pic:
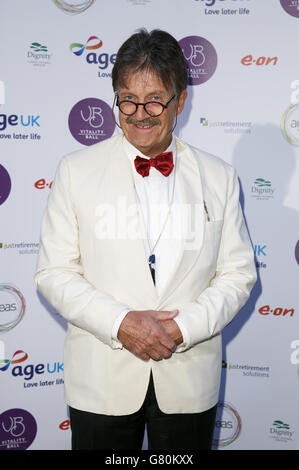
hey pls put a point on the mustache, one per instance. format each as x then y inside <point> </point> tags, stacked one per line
<point>147,121</point>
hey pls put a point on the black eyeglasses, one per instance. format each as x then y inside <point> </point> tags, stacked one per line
<point>152,108</point>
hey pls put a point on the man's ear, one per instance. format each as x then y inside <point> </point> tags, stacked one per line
<point>181,102</point>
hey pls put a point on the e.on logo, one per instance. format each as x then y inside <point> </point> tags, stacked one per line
<point>65,425</point>
<point>249,60</point>
<point>42,184</point>
<point>277,312</point>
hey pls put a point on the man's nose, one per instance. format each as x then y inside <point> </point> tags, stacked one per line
<point>141,113</point>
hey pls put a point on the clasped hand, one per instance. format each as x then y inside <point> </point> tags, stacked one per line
<point>150,334</point>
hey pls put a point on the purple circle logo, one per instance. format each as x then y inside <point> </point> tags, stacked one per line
<point>17,429</point>
<point>291,7</point>
<point>5,184</point>
<point>201,59</point>
<point>90,121</point>
<point>297,252</point>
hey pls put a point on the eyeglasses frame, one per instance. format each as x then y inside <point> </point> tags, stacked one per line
<point>164,106</point>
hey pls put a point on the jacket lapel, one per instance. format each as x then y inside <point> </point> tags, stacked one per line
<point>134,246</point>
<point>190,183</point>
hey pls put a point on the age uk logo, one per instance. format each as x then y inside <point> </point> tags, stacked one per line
<point>78,48</point>
<point>102,60</point>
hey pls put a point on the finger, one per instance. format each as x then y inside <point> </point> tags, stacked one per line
<point>155,355</point>
<point>159,353</point>
<point>165,340</point>
<point>165,314</point>
<point>165,352</point>
<point>139,352</point>
<point>144,356</point>
<point>160,340</point>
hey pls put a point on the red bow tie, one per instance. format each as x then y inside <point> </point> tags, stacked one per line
<point>163,163</point>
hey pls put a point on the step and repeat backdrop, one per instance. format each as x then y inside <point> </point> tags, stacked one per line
<point>243,105</point>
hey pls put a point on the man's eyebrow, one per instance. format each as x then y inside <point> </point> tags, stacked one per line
<point>127,91</point>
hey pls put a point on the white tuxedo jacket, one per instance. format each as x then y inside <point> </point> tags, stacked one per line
<point>90,278</point>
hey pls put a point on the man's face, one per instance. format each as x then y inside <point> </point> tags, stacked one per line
<point>150,135</point>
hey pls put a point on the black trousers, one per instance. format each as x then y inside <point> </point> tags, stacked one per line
<point>192,431</point>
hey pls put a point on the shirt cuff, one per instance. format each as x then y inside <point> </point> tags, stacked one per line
<point>116,344</point>
<point>181,347</point>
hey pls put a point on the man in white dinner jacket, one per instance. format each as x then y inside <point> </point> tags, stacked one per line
<point>145,252</point>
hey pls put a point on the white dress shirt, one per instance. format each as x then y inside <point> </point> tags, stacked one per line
<point>153,197</point>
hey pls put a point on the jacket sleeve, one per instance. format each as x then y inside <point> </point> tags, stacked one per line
<point>234,277</point>
<point>59,275</point>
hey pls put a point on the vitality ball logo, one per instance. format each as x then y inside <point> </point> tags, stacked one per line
<point>17,429</point>
<point>90,121</point>
<point>5,184</point>
<point>201,58</point>
<point>297,252</point>
<point>291,7</point>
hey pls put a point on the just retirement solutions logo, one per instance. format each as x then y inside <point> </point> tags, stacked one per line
<point>260,371</point>
<point>89,50</point>
<point>90,121</point>
<point>19,248</point>
<point>227,126</point>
